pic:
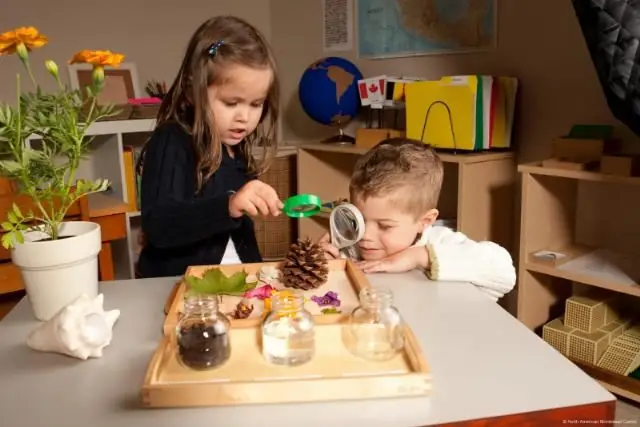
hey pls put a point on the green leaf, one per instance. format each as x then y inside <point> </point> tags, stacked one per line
<point>12,217</point>
<point>7,226</point>
<point>16,209</point>
<point>7,240</point>
<point>214,281</point>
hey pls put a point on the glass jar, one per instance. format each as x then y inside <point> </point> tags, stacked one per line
<point>288,330</point>
<point>202,333</point>
<point>374,330</point>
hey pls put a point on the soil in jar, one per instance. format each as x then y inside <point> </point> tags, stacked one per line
<point>200,347</point>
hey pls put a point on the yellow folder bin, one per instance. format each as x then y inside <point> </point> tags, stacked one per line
<point>468,113</point>
<point>441,114</point>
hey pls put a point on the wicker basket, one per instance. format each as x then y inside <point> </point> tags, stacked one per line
<point>275,235</point>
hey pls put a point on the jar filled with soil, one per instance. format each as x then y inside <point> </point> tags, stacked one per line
<point>202,333</point>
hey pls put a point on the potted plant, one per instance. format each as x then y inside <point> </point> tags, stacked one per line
<point>43,138</point>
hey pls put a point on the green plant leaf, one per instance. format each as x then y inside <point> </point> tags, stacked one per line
<point>215,282</point>
<point>16,209</point>
<point>7,240</point>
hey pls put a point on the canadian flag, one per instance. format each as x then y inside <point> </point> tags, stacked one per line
<point>372,90</point>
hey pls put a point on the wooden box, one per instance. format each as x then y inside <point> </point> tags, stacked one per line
<point>620,165</point>
<point>247,378</point>
<point>368,138</point>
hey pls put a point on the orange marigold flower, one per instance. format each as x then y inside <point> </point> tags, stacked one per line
<point>103,58</point>
<point>30,37</point>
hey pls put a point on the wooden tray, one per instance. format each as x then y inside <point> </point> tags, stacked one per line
<point>344,278</point>
<point>246,378</point>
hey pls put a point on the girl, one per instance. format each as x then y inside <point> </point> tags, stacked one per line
<point>199,176</point>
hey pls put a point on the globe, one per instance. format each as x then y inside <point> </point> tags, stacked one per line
<point>328,91</point>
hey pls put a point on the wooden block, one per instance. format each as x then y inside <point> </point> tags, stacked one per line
<point>576,149</point>
<point>556,334</point>
<point>588,347</point>
<point>620,165</point>
<point>584,313</point>
<point>570,164</point>
<point>368,138</point>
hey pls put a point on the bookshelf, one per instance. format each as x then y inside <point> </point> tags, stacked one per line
<point>579,237</point>
<point>478,189</point>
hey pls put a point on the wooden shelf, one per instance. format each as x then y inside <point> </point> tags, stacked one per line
<point>591,266</point>
<point>445,156</point>
<point>536,168</point>
<point>589,224</point>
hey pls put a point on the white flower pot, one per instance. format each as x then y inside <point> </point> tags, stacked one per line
<point>57,272</point>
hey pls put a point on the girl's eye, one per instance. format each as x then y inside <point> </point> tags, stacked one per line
<point>384,227</point>
<point>259,105</point>
<point>230,104</point>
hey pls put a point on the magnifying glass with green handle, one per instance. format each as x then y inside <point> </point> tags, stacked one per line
<point>346,222</point>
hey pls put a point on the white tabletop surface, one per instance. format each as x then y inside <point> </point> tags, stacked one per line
<point>484,362</point>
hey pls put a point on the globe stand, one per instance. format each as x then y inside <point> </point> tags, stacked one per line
<point>340,139</point>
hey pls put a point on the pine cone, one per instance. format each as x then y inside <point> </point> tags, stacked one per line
<point>305,267</point>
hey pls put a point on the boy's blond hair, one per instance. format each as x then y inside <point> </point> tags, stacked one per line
<point>408,170</point>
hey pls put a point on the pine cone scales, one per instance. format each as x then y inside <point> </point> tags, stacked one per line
<point>305,267</point>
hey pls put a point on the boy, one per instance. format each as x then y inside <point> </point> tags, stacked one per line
<point>396,186</point>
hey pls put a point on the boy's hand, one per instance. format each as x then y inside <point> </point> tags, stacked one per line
<point>406,260</point>
<point>254,198</point>
<point>330,251</point>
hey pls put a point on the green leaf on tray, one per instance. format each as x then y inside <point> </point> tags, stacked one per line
<point>215,282</point>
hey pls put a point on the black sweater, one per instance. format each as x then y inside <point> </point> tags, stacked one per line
<point>182,228</point>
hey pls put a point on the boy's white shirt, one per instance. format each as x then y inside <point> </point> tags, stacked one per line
<point>486,264</point>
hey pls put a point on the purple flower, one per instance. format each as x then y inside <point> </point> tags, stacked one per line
<point>329,299</point>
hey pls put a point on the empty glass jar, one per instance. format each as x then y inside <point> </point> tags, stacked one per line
<point>374,330</point>
<point>202,333</point>
<point>288,330</point>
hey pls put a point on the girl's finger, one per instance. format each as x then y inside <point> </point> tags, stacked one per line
<point>261,205</point>
<point>275,206</point>
<point>248,208</point>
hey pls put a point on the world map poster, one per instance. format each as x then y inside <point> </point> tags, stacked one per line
<point>393,28</point>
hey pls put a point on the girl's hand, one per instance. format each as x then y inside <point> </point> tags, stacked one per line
<point>254,198</point>
<point>406,260</point>
<point>330,251</point>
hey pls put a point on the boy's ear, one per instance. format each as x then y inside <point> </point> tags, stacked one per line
<point>430,217</point>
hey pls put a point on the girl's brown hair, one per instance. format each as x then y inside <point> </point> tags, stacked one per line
<point>236,42</point>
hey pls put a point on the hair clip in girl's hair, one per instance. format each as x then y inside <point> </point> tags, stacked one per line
<point>213,49</point>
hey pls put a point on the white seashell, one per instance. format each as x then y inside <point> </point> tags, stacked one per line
<point>81,329</point>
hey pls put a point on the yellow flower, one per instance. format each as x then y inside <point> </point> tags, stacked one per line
<point>23,37</point>
<point>97,58</point>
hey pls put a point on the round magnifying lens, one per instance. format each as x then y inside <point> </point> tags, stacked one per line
<point>302,205</point>
<point>346,224</point>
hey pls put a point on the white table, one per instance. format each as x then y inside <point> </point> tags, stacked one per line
<point>485,364</point>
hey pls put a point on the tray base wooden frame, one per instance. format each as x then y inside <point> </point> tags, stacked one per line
<point>247,378</point>
<point>334,373</point>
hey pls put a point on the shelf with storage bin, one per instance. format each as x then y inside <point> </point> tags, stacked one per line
<point>478,189</point>
<point>579,236</point>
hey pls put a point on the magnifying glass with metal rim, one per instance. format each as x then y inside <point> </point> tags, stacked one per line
<point>346,221</point>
